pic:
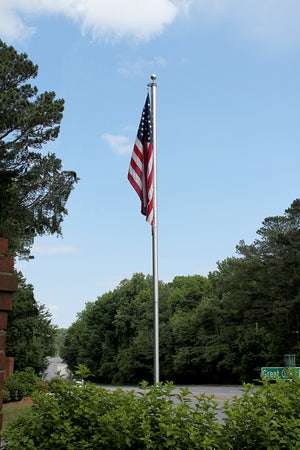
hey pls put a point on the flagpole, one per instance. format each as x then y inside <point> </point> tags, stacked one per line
<point>153,86</point>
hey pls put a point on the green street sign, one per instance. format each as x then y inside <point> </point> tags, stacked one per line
<point>271,373</point>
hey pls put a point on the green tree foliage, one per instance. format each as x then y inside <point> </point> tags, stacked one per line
<point>113,336</point>
<point>220,328</point>
<point>33,187</point>
<point>30,334</point>
<point>260,294</point>
<point>60,337</point>
<point>112,331</point>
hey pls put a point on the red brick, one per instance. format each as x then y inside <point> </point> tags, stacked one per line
<point>7,366</point>
<point>8,283</point>
<point>2,339</point>
<point>11,363</point>
<point>3,320</point>
<point>3,246</point>
<point>4,363</point>
<point>6,264</point>
<point>1,378</point>
<point>6,301</point>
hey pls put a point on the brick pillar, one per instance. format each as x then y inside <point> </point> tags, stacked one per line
<point>8,285</point>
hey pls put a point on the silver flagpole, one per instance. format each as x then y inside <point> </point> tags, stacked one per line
<point>154,238</point>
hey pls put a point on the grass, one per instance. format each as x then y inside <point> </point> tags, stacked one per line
<point>12,411</point>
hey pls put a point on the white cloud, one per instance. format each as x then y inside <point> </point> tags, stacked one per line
<point>111,19</point>
<point>46,250</point>
<point>52,309</point>
<point>119,144</point>
<point>11,25</point>
<point>275,21</point>
<point>141,65</point>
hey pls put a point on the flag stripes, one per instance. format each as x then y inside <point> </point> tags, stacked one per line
<point>140,174</point>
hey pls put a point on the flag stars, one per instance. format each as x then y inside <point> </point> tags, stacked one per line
<point>145,128</point>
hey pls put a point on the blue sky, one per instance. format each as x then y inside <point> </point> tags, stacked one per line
<point>228,131</point>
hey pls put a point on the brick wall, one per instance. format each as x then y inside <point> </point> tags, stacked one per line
<point>8,285</point>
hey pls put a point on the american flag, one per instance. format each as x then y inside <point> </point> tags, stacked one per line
<point>141,164</point>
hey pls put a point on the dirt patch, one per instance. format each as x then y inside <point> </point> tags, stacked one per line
<point>24,401</point>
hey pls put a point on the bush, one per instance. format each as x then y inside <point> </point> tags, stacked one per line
<point>266,417</point>
<point>76,417</point>
<point>87,417</point>
<point>19,384</point>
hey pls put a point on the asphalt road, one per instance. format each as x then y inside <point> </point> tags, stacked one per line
<point>221,393</point>
<point>55,365</point>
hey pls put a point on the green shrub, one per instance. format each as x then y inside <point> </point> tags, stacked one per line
<point>76,417</point>
<point>71,416</point>
<point>6,396</point>
<point>19,384</point>
<point>265,417</point>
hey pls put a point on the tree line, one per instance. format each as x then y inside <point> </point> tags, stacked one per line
<point>30,332</point>
<point>220,328</point>
<point>34,190</point>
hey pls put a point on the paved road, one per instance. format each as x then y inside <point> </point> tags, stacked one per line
<point>56,365</point>
<point>221,393</point>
